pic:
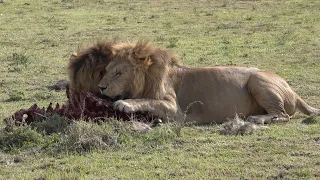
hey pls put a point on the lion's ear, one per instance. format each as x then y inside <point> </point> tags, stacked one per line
<point>141,54</point>
<point>101,70</point>
<point>113,52</point>
<point>100,67</point>
<point>144,62</point>
<point>73,55</point>
<point>147,62</point>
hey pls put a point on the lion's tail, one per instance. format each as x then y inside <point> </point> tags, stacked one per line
<point>305,108</point>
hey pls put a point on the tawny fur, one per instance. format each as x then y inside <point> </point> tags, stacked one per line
<point>151,80</point>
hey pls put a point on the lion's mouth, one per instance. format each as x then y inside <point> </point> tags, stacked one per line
<point>116,98</point>
<point>119,97</point>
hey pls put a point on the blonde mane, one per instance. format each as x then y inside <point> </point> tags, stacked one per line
<point>151,68</point>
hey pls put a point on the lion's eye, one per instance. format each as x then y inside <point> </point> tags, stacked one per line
<point>142,59</point>
<point>117,74</point>
<point>101,74</point>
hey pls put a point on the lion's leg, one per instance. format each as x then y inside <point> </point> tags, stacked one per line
<point>270,96</point>
<point>274,106</point>
<point>275,112</point>
<point>160,108</point>
<point>268,118</point>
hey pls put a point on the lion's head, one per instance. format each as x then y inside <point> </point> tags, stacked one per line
<point>86,67</point>
<point>136,72</point>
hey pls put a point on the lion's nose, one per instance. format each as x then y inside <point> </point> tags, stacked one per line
<point>102,89</point>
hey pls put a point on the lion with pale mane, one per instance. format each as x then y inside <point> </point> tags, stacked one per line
<point>149,79</point>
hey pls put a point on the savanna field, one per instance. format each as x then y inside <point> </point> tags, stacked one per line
<point>38,36</point>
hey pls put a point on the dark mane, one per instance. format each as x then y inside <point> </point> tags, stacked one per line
<point>86,60</point>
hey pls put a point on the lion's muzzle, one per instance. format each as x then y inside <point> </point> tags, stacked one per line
<point>102,89</point>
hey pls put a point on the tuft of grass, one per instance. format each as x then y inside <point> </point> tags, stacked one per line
<point>43,95</point>
<point>58,135</point>
<point>52,124</point>
<point>173,42</point>
<point>18,59</point>
<point>17,62</point>
<point>86,136</point>
<point>19,137</point>
<point>159,135</point>
<point>16,95</point>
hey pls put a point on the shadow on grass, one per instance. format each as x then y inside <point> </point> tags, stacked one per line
<point>313,119</point>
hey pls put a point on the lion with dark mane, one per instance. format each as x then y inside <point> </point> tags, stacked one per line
<point>149,79</point>
<point>86,67</point>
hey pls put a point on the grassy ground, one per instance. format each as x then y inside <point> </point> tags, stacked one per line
<point>37,37</point>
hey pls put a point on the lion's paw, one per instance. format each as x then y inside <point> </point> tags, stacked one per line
<point>124,106</point>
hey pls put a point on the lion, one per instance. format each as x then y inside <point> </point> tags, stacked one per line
<point>86,67</point>
<point>149,79</point>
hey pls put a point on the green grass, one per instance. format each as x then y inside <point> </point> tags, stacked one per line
<point>37,37</point>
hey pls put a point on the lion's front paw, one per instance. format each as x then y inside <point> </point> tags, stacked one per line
<point>124,106</point>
